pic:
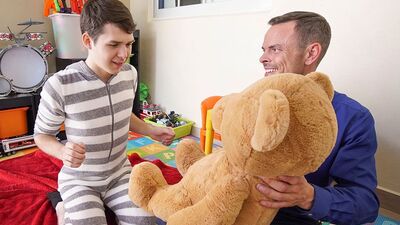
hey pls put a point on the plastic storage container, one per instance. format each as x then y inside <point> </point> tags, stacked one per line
<point>180,131</point>
<point>67,35</point>
<point>13,122</point>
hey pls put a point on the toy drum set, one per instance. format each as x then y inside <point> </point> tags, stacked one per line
<point>23,68</point>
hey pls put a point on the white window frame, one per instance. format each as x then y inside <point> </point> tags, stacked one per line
<point>212,8</point>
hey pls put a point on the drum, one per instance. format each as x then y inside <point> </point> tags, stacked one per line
<point>5,86</point>
<point>46,48</point>
<point>34,36</point>
<point>6,37</point>
<point>24,66</point>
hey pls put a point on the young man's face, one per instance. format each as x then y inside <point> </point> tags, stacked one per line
<point>281,50</point>
<point>112,48</point>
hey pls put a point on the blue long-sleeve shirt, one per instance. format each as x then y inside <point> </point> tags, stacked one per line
<point>345,183</point>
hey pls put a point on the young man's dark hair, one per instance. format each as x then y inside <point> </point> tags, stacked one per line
<point>97,13</point>
<point>310,26</point>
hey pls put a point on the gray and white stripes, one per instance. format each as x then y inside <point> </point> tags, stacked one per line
<point>96,114</point>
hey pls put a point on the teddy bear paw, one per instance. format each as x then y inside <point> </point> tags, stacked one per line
<point>146,178</point>
<point>187,153</point>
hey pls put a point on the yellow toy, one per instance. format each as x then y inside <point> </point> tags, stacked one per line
<point>280,125</point>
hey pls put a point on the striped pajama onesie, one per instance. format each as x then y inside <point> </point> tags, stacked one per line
<point>96,114</point>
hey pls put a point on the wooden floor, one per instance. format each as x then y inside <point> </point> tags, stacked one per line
<point>390,204</point>
<point>389,213</point>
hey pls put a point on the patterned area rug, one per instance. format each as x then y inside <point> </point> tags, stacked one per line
<point>149,149</point>
<point>383,220</point>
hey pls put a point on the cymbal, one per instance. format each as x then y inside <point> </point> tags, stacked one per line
<point>39,32</point>
<point>30,22</point>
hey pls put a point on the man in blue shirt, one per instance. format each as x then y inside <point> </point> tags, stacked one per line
<point>342,190</point>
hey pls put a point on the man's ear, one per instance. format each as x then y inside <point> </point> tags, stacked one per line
<point>313,51</point>
<point>87,40</point>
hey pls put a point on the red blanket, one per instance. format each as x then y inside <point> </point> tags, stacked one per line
<point>25,182</point>
<point>171,174</point>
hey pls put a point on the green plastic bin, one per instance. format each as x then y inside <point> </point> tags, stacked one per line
<point>180,131</point>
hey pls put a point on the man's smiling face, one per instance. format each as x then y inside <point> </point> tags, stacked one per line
<point>282,53</point>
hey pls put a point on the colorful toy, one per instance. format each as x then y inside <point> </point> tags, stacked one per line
<point>49,8</point>
<point>143,92</point>
<point>13,130</point>
<point>77,6</point>
<point>9,146</point>
<point>46,48</point>
<point>63,6</point>
<point>57,5</point>
<point>281,125</point>
<point>149,110</point>
<point>6,37</point>
<point>207,134</point>
<point>33,59</point>
<point>169,120</point>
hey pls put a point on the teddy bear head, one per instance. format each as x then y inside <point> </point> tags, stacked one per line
<point>283,124</point>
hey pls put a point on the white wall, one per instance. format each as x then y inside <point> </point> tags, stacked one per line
<point>186,60</point>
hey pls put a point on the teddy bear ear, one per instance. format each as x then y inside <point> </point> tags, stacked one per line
<point>272,121</point>
<point>323,81</point>
<point>218,111</point>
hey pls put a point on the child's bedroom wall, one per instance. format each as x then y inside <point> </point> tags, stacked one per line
<point>185,60</point>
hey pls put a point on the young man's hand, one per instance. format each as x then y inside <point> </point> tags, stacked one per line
<point>286,191</point>
<point>73,154</point>
<point>165,135</point>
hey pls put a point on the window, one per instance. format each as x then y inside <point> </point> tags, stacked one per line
<point>176,3</point>
<point>162,4</point>
<point>192,8</point>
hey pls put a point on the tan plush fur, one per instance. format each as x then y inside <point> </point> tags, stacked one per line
<point>281,125</point>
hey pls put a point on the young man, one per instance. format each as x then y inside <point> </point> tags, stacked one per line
<point>94,100</point>
<point>342,190</point>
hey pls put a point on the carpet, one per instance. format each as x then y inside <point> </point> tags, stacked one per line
<point>150,150</point>
<point>383,220</point>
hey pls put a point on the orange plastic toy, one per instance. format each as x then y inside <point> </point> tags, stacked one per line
<point>49,7</point>
<point>207,134</point>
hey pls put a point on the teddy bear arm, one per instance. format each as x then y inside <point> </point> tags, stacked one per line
<point>145,180</point>
<point>187,153</point>
<point>220,206</point>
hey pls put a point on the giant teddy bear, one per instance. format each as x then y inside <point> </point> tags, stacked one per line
<point>281,125</point>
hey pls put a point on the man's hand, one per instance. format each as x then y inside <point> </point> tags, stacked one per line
<point>286,191</point>
<point>165,135</point>
<point>73,154</point>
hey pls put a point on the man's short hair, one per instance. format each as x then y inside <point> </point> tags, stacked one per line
<point>310,27</point>
<point>97,13</point>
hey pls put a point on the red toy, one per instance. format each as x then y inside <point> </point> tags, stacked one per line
<point>149,110</point>
<point>77,6</point>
